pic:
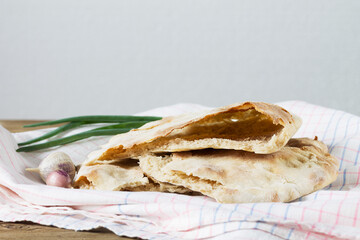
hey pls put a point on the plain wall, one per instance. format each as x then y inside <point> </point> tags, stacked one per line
<point>69,57</point>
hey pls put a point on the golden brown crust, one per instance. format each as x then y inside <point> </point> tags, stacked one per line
<point>123,176</point>
<point>250,126</point>
<point>301,167</point>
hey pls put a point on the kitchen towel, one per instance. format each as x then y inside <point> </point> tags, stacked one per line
<point>332,212</point>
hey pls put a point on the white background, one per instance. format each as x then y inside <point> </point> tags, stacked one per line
<point>66,58</point>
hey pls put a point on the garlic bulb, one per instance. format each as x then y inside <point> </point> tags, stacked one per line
<point>53,162</point>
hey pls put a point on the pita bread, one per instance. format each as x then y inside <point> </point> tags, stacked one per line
<point>301,167</point>
<point>250,126</point>
<point>124,176</point>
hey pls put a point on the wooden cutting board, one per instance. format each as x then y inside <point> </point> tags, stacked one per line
<point>33,231</point>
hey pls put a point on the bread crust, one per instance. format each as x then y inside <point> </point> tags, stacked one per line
<point>301,167</point>
<point>121,177</point>
<point>251,126</point>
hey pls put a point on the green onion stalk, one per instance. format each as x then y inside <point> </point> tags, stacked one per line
<point>123,124</point>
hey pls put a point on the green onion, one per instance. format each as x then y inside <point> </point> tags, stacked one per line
<point>73,138</point>
<point>97,119</point>
<point>101,131</point>
<point>58,130</point>
<point>124,124</point>
<point>72,125</point>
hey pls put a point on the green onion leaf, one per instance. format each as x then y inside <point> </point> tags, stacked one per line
<point>98,119</point>
<point>53,132</point>
<point>73,138</point>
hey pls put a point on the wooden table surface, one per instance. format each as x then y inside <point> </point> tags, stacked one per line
<point>32,231</point>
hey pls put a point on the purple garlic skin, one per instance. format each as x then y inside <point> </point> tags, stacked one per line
<point>58,178</point>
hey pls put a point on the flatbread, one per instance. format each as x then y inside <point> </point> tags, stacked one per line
<point>124,176</point>
<point>250,126</point>
<point>301,167</point>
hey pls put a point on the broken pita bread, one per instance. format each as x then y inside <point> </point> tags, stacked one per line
<point>301,167</point>
<point>251,126</point>
<point>124,176</point>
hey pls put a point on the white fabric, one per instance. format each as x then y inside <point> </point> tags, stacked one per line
<point>331,212</point>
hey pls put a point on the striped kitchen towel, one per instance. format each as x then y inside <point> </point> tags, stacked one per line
<point>332,212</point>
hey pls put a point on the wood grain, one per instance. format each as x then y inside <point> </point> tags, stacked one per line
<point>17,125</point>
<point>33,231</point>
